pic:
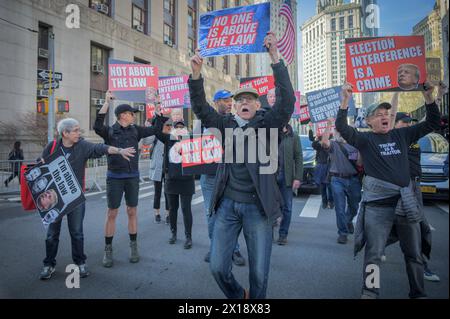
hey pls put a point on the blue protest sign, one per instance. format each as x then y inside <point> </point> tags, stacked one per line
<point>324,104</point>
<point>234,31</point>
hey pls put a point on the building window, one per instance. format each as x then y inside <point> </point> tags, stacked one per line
<point>138,22</point>
<point>43,53</point>
<point>224,4</point>
<point>350,22</point>
<point>341,23</point>
<point>99,79</point>
<point>210,5</point>
<point>226,66</point>
<point>192,25</point>
<point>333,24</point>
<point>169,22</point>
<point>238,65</point>
<point>102,6</point>
<point>237,3</point>
<point>211,62</point>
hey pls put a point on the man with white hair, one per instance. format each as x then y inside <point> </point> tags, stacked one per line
<point>77,151</point>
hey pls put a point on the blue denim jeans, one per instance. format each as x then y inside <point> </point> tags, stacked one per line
<point>75,222</point>
<point>286,210</point>
<point>207,183</point>
<point>231,217</point>
<point>327,193</point>
<point>345,190</point>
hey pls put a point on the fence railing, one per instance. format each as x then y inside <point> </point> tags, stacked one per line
<point>95,174</point>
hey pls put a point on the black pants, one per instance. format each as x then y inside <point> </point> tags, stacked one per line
<point>185,208</point>
<point>12,176</point>
<point>157,198</point>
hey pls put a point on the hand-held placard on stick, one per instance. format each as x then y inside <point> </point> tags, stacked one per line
<point>234,31</point>
<point>386,63</point>
<point>324,104</point>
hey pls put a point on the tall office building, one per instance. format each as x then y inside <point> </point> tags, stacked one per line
<point>323,38</point>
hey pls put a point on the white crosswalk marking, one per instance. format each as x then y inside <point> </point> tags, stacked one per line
<point>443,207</point>
<point>312,207</point>
<point>198,200</point>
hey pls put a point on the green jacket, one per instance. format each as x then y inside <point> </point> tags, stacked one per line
<point>293,157</point>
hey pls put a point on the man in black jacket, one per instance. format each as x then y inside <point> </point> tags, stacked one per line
<point>246,195</point>
<point>122,175</point>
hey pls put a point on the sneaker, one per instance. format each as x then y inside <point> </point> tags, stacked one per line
<point>167,220</point>
<point>330,205</point>
<point>383,258</point>
<point>430,276</point>
<point>342,239</point>
<point>207,257</point>
<point>134,255</point>
<point>108,257</point>
<point>46,272</point>
<point>282,241</point>
<point>157,219</point>
<point>173,239</point>
<point>84,272</point>
<point>238,259</point>
<point>351,228</point>
<point>188,243</point>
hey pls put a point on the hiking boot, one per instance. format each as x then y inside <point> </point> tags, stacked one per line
<point>351,228</point>
<point>430,276</point>
<point>282,241</point>
<point>207,257</point>
<point>188,243</point>
<point>238,259</point>
<point>134,255</point>
<point>84,272</point>
<point>342,239</point>
<point>157,219</point>
<point>108,257</point>
<point>173,239</point>
<point>46,272</point>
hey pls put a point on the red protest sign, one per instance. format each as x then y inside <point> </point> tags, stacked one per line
<point>200,151</point>
<point>132,77</point>
<point>386,63</point>
<point>304,114</point>
<point>322,126</point>
<point>262,84</point>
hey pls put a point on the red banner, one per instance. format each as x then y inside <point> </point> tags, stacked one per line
<point>200,151</point>
<point>304,114</point>
<point>386,63</point>
<point>321,127</point>
<point>261,84</point>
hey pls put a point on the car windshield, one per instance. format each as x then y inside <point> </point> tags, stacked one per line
<point>306,143</point>
<point>433,143</point>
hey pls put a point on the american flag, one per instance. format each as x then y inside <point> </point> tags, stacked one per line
<point>286,45</point>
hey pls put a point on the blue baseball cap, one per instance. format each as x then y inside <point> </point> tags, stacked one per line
<point>222,94</point>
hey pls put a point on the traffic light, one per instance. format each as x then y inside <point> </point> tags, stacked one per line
<point>42,106</point>
<point>62,106</point>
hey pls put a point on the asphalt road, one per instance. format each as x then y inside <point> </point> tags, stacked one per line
<point>312,265</point>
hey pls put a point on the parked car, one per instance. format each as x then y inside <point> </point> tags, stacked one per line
<point>309,165</point>
<point>434,150</point>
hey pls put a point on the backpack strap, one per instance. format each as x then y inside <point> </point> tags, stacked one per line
<point>53,146</point>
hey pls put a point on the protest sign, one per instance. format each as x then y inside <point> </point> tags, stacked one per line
<point>386,63</point>
<point>54,187</point>
<point>304,114</point>
<point>133,82</point>
<point>265,85</point>
<point>321,127</point>
<point>324,104</point>
<point>200,155</point>
<point>174,91</point>
<point>234,31</point>
<point>360,119</point>
<point>297,110</point>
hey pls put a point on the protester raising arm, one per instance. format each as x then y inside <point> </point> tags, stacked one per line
<point>99,126</point>
<point>350,134</point>
<point>325,142</point>
<point>394,109</point>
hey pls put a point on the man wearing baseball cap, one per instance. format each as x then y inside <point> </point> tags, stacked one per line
<point>122,175</point>
<point>223,103</point>
<point>389,196</point>
<point>246,196</point>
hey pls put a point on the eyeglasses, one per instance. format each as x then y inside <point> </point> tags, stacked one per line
<point>247,97</point>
